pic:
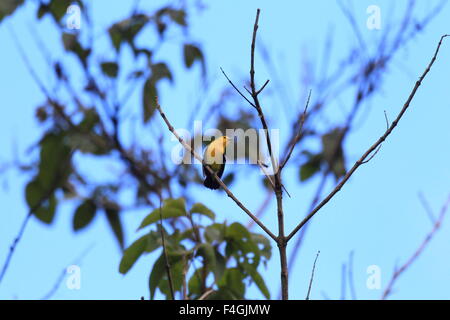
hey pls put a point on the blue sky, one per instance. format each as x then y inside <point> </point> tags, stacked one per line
<point>377,215</point>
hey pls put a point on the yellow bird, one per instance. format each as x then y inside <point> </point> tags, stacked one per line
<point>214,156</point>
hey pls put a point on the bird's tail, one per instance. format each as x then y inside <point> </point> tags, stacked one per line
<point>211,183</point>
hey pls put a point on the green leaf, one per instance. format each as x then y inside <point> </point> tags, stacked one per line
<point>215,232</point>
<point>115,36</point>
<point>195,283</point>
<point>191,54</point>
<point>111,69</point>
<point>256,277</point>
<point>40,201</point>
<point>43,9</point>
<point>171,208</point>
<point>149,95</point>
<point>188,234</point>
<point>58,8</point>
<point>206,250</point>
<point>7,7</point>
<point>112,214</point>
<point>333,152</point>
<point>90,119</point>
<point>132,253</point>
<point>264,245</point>
<point>54,165</point>
<point>161,71</point>
<point>202,209</point>
<point>155,216</point>
<point>338,167</point>
<point>71,44</point>
<point>84,214</point>
<point>221,264</point>
<point>158,270</point>
<point>311,167</point>
<point>34,193</point>
<point>233,281</point>
<point>126,30</point>
<point>237,231</point>
<point>46,211</point>
<point>228,179</point>
<point>240,243</point>
<point>154,241</point>
<point>178,16</point>
<point>158,275</point>
<point>176,272</point>
<point>69,41</point>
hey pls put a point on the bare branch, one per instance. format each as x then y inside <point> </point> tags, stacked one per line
<point>281,239</point>
<point>373,147</point>
<point>301,236</point>
<point>262,207</point>
<point>13,246</point>
<point>418,252</point>
<point>262,88</point>
<point>45,197</point>
<point>299,133</point>
<point>60,279</point>
<point>350,276</point>
<point>266,174</point>
<point>373,155</point>
<point>343,281</point>
<point>312,276</point>
<point>427,207</point>
<point>206,294</point>
<point>238,91</point>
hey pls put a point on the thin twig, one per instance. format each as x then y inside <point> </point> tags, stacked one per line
<point>299,132</point>
<point>262,88</point>
<point>343,281</point>
<point>19,236</point>
<point>372,148</point>
<point>350,276</point>
<point>60,279</point>
<point>206,294</point>
<point>266,174</point>
<point>262,208</point>
<point>312,276</point>
<point>398,272</point>
<point>301,236</point>
<point>387,120</point>
<point>238,91</point>
<point>13,246</point>
<point>427,207</point>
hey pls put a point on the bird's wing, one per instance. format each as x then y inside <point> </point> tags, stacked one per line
<point>222,167</point>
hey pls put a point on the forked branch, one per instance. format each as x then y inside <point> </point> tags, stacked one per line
<point>213,174</point>
<point>372,148</point>
<point>398,272</point>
